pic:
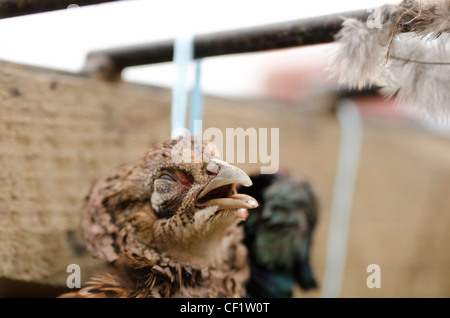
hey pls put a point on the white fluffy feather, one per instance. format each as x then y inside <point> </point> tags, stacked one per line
<point>418,73</point>
<point>414,66</point>
<point>360,53</point>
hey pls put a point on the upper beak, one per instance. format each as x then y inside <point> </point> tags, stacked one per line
<point>222,189</point>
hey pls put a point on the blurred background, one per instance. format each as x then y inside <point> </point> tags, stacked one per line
<point>399,204</point>
<point>61,39</point>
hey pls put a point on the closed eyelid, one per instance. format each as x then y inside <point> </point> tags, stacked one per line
<point>180,176</point>
<point>166,176</point>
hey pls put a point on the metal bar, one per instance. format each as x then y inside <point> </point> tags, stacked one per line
<point>109,63</point>
<point>14,8</point>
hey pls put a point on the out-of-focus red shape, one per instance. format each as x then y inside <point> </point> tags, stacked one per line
<point>295,73</point>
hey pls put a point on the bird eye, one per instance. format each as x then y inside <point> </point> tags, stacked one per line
<point>166,177</point>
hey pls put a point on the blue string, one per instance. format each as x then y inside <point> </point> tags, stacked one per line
<point>182,57</point>
<point>196,110</point>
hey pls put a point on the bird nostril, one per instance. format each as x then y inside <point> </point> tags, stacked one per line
<point>212,168</point>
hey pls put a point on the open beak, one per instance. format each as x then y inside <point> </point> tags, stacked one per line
<point>221,190</point>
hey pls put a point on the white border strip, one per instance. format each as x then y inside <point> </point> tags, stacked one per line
<point>348,161</point>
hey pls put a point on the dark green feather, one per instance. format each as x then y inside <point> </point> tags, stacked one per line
<point>278,235</point>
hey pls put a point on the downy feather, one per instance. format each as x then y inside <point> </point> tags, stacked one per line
<point>407,53</point>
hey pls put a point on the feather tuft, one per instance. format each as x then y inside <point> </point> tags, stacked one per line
<point>423,17</point>
<point>360,53</point>
<point>419,75</point>
<point>407,53</point>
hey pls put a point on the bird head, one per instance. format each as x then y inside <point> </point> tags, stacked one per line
<point>160,205</point>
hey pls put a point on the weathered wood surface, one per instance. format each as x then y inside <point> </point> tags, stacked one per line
<point>59,133</point>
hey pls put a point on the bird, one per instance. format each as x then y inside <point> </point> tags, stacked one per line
<point>278,234</point>
<point>168,225</point>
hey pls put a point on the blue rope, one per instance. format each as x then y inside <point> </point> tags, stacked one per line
<point>196,110</point>
<point>182,57</point>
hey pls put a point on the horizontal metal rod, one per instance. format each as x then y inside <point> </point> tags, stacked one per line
<point>15,8</point>
<point>110,62</point>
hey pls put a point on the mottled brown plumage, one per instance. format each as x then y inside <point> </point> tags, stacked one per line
<point>169,228</point>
